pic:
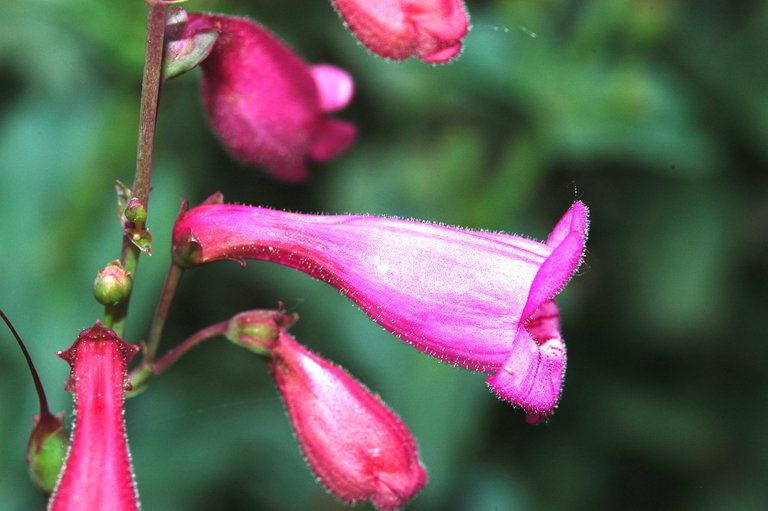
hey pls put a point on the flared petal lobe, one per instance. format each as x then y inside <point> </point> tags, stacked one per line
<point>356,446</point>
<point>265,104</point>
<point>532,375</point>
<point>97,474</point>
<point>397,29</point>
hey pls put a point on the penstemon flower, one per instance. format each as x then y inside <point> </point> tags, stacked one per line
<point>397,29</point>
<point>97,474</point>
<point>479,300</point>
<point>358,448</point>
<point>264,103</point>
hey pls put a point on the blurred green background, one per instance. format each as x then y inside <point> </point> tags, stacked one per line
<point>653,112</point>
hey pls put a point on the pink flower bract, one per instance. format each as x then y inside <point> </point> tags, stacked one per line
<point>397,29</point>
<point>479,300</point>
<point>265,104</point>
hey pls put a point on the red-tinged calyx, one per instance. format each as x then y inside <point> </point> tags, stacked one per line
<point>97,474</point>
<point>258,330</point>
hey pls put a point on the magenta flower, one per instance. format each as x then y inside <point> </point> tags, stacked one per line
<point>265,104</point>
<point>479,300</point>
<point>356,446</point>
<point>397,29</point>
<point>97,474</point>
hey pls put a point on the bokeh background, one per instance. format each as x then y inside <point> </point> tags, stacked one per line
<point>653,112</point>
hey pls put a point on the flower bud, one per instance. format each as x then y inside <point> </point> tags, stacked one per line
<point>136,211</point>
<point>358,448</point>
<point>46,450</point>
<point>113,284</point>
<point>397,29</point>
<point>258,330</point>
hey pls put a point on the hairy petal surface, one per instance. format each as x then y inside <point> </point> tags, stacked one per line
<point>265,104</point>
<point>356,446</point>
<point>467,297</point>
<point>397,29</point>
<point>97,474</point>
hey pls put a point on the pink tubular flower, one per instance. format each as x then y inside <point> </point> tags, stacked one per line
<point>265,104</point>
<point>356,446</point>
<point>479,300</point>
<point>397,29</point>
<point>97,474</point>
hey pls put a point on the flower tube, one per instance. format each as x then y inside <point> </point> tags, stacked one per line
<point>397,29</point>
<point>479,300</point>
<point>265,104</point>
<point>97,474</point>
<point>358,448</point>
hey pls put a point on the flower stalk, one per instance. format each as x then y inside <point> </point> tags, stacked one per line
<point>150,96</point>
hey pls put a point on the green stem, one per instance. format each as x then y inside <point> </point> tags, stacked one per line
<point>150,95</point>
<point>145,371</point>
<point>161,313</point>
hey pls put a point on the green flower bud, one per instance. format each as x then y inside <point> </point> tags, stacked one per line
<point>113,284</point>
<point>46,450</point>
<point>258,330</point>
<point>136,211</point>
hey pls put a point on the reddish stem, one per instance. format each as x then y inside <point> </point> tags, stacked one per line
<point>44,411</point>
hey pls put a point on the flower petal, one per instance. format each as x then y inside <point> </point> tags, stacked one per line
<point>265,104</point>
<point>532,375</point>
<point>358,447</point>
<point>568,240</point>
<point>455,294</point>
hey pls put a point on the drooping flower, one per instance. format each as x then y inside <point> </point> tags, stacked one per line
<point>358,448</point>
<point>397,29</point>
<point>97,474</point>
<point>479,300</point>
<point>265,104</point>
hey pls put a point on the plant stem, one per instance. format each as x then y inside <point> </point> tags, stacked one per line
<point>161,313</point>
<point>150,95</point>
<point>189,343</point>
<point>145,371</point>
<point>140,376</point>
<point>44,411</point>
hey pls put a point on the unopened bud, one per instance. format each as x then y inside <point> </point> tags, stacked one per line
<point>136,211</point>
<point>358,448</point>
<point>258,330</point>
<point>46,450</point>
<point>113,284</point>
